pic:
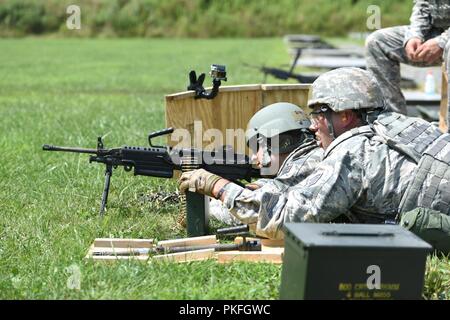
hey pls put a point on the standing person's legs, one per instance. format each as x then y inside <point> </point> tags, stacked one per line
<point>384,52</point>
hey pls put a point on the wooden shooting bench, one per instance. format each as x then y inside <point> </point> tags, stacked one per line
<point>232,108</point>
<point>113,249</point>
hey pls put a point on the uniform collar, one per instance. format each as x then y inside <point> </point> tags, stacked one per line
<point>363,130</point>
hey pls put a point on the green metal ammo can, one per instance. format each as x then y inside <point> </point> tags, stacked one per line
<point>352,261</point>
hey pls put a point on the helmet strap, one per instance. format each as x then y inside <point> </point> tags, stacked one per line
<point>328,116</point>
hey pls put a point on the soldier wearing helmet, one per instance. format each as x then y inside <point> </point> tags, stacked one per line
<point>377,166</point>
<point>283,149</point>
<point>343,104</point>
<point>274,132</point>
<point>360,176</point>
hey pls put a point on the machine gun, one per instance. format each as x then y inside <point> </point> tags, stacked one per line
<point>283,74</point>
<point>159,161</point>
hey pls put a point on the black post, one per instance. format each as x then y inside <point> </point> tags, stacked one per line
<point>196,214</point>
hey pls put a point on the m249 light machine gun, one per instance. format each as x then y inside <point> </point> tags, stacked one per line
<point>160,161</point>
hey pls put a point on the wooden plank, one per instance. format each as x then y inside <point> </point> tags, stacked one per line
<point>229,110</point>
<point>116,258</point>
<point>194,241</point>
<point>187,256</point>
<point>123,243</point>
<point>443,111</point>
<point>250,256</point>
<point>293,86</point>
<point>272,243</point>
<point>238,240</point>
<point>222,89</point>
<point>119,251</point>
<point>298,97</point>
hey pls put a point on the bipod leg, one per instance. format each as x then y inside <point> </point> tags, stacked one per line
<point>108,174</point>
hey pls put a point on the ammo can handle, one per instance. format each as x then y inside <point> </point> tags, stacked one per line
<point>357,234</point>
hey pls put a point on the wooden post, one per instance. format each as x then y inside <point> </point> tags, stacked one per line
<point>443,112</point>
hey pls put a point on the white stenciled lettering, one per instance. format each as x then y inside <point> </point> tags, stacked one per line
<point>374,20</point>
<point>374,280</point>
<point>73,22</point>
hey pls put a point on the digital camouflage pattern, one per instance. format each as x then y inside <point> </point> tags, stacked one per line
<point>345,89</point>
<point>290,124</point>
<point>385,48</point>
<point>429,149</point>
<point>274,122</point>
<point>360,177</point>
<point>368,174</point>
<point>428,16</point>
<point>275,119</point>
<point>296,167</point>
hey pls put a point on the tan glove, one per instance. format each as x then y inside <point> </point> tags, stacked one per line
<point>200,181</point>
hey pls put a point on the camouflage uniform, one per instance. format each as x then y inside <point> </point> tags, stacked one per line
<point>429,149</point>
<point>297,166</point>
<point>369,174</point>
<point>385,48</point>
<point>279,128</point>
<point>360,177</point>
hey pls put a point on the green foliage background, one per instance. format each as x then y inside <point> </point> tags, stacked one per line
<point>197,18</point>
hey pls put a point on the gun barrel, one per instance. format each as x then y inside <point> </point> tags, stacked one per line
<point>47,147</point>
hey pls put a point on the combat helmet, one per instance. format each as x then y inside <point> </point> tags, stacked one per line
<point>285,121</point>
<point>347,89</point>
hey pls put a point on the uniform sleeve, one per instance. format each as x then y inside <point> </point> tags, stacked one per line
<point>245,204</point>
<point>442,39</point>
<point>420,21</point>
<point>323,196</point>
<point>261,182</point>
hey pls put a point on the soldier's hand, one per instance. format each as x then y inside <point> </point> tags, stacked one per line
<point>429,52</point>
<point>411,47</point>
<point>252,186</point>
<point>200,181</point>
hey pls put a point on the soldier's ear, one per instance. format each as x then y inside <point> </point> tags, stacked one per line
<point>347,117</point>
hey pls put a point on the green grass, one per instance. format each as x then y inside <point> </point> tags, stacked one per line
<point>68,92</point>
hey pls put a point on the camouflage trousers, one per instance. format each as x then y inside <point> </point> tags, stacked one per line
<point>384,53</point>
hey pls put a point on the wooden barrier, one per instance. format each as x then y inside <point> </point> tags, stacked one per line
<point>231,109</point>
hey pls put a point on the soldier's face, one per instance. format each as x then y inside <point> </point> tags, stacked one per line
<point>275,162</point>
<point>319,125</point>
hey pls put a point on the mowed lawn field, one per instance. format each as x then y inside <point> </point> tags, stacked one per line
<point>68,92</point>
